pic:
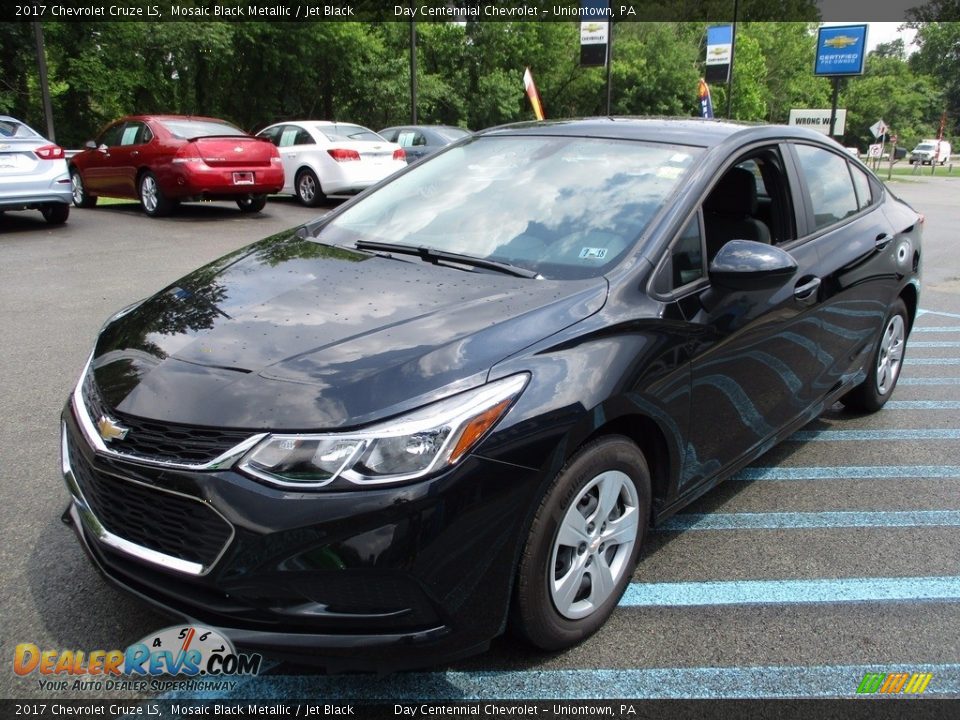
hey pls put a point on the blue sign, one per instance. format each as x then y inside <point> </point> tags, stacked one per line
<point>841,50</point>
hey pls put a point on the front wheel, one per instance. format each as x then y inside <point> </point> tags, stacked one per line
<point>252,204</point>
<point>885,364</point>
<point>583,544</point>
<point>154,202</point>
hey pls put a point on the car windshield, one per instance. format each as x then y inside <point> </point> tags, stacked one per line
<point>190,129</point>
<point>923,147</point>
<point>15,128</point>
<point>342,133</point>
<point>564,207</point>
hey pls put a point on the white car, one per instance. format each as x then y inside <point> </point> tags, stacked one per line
<point>323,158</point>
<point>33,173</point>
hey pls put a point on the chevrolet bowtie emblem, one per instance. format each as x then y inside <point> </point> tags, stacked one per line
<point>110,429</point>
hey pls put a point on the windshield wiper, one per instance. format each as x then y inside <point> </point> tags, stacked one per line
<point>434,256</point>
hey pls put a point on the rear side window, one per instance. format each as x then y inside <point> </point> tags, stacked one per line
<point>830,185</point>
<point>862,184</point>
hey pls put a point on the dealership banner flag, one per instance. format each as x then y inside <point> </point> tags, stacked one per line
<point>532,93</point>
<point>706,104</point>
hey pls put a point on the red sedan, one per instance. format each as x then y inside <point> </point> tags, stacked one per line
<point>162,160</point>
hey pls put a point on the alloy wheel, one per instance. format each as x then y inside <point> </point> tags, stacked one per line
<point>593,545</point>
<point>890,357</point>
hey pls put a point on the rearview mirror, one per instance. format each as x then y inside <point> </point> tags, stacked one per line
<point>90,144</point>
<point>749,265</point>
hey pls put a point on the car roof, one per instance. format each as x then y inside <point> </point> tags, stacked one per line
<point>681,131</point>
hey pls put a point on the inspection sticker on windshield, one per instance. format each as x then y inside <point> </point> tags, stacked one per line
<point>597,253</point>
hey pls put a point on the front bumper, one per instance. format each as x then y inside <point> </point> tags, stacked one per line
<point>377,579</point>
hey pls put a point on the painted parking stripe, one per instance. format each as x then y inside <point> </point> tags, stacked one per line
<point>922,405</point>
<point>934,343</point>
<point>848,472</point>
<point>923,311</point>
<point>928,381</point>
<point>767,681</point>
<point>859,435</point>
<point>810,520</point>
<point>752,592</point>
<point>931,361</point>
<point>936,329</point>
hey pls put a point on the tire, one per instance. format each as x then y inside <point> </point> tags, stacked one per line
<point>252,204</point>
<point>80,197</point>
<point>571,574</point>
<point>56,214</point>
<point>307,188</point>
<point>886,361</point>
<point>152,199</point>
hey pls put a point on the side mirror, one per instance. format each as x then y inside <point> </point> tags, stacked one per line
<point>749,265</point>
<point>90,145</point>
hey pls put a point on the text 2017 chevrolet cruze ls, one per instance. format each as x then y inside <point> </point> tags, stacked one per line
<point>460,400</point>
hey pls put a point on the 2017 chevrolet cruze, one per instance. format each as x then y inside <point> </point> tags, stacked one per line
<point>460,400</point>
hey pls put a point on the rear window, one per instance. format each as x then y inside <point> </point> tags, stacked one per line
<point>345,133</point>
<point>14,128</point>
<point>189,129</point>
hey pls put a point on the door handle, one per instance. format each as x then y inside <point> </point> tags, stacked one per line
<point>807,293</point>
<point>883,239</point>
<point>135,153</point>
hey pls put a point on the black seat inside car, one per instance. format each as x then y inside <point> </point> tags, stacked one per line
<point>729,212</point>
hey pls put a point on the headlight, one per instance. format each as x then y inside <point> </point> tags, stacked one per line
<point>408,447</point>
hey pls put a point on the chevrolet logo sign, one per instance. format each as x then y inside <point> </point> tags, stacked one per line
<point>840,41</point>
<point>110,429</point>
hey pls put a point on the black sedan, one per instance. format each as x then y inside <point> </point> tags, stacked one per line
<point>459,401</point>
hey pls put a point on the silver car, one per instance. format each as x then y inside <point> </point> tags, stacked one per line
<point>33,172</point>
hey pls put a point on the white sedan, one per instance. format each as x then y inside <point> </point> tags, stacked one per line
<point>323,158</point>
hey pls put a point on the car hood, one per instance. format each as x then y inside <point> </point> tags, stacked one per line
<point>291,334</point>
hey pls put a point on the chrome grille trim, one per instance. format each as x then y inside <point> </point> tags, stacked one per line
<point>95,527</point>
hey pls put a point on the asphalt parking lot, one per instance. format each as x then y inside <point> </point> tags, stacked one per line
<point>834,555</point>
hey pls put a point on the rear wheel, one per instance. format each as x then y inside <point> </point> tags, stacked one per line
<point>308,188</point>
<point>583,544</point>
<point>154,202</point>
<point>56,214</point>
<point>886,361</point>
<point>252,204</point>
<point>80,197</point>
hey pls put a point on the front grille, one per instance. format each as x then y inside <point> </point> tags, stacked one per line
<point>161,441</point>
<point>171,524</point>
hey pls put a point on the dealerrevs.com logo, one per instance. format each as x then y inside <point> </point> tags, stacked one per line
<point>185,651</point>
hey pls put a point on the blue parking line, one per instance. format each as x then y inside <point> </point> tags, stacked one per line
<point>751,592</point>
<point>931,361</point>
<point>922,405</point>
<point>928,381</point>
<point>934,343</point>
<point>923,311</point>
<point>810,520</point>
<point>936,329</point>
<point>848,472</point>
<point>765,681</point>
<point>860,435</point>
